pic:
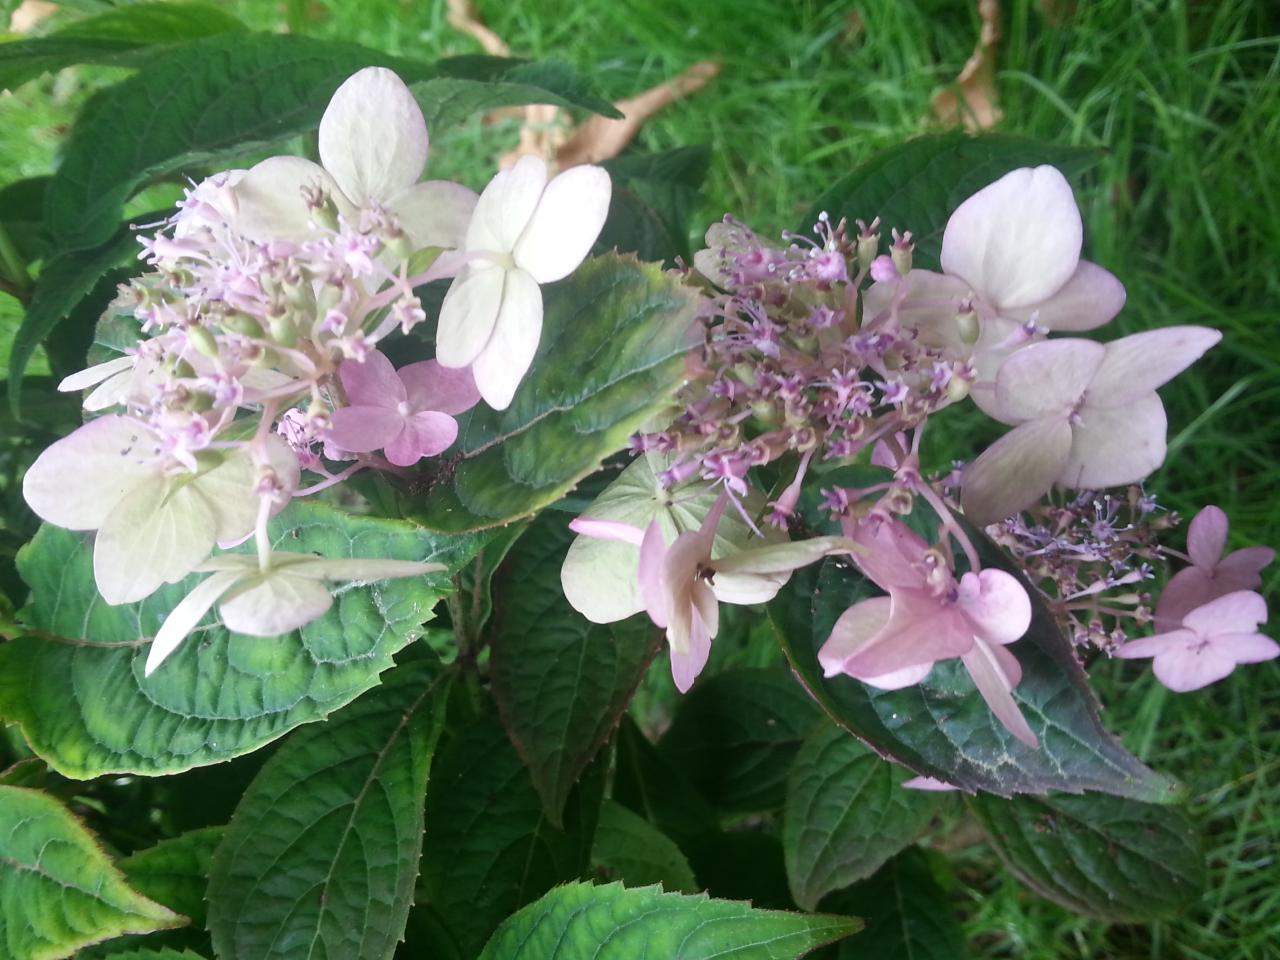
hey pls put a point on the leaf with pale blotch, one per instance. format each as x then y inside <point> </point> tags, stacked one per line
<point>636,852</point>
<point>942,727</point>
<point>76,686</point>
<point>614,338</point>
<point>917,185</point>
<point>320,858</point>
<point>561,682</point>
<point>847,813</point>
<point>734,737</point>
<point>1104,857</point>
<point>490,848</point>
<point>907,915</point>
<point>58,889</point>
<point>613,923</point>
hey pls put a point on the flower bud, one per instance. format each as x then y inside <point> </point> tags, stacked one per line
<point>968,326</point>
<point>284,331</point>
<point>901,250</point>
<point>201,339</point>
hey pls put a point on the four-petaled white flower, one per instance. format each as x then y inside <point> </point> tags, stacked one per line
<point>525,232</point>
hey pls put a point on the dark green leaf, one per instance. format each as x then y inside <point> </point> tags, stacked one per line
<point>916,185</point>
<point>614,338</point>
<point>489,846</point>
<point>906,913</point>
<point>321,856</point>
<point>114,37</point>
<point>58,890</point>
<point>560,681</point>
<point>735,735</point>
<point>847,813</point>
<point>85,706</point>
<point>22,214</point>
<point>175,872</point>
<point>942,728</point>
<point>474,85</point>
<point>743,864</point>
<point>146,954</point>
<point>63,283</point>
<point>1104,857</point>
<point>647,784</point>
<point>636,852</point>
<point>654,197</point>
<point>611,923</point>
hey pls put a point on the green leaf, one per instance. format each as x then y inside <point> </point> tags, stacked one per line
<point>489,846</point>
<point>63,283</point>
<point>58,890</point>
<point>85,706</point>
<point>614,337</point>
<point>22,214</point>
<point>1104,857</point>
<point>638,853</point>
<point>144,954</point>
<point>115,37</point>
<point>917,184</point>
<point>612,923</point>
<point>474,85</point>
<point>175,872</point>
<point>196,104</point>
<point>649,785</point>
<point>735,735</point>
<point>906,913</point>
<point>847,813</point>
<point>942,727</point>
<point>654,197</point>
<point>560,681</point>
<point>321,855</point>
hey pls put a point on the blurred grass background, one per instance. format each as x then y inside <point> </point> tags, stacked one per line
<point>1183,98</point>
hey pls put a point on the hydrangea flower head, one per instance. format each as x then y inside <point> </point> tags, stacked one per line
<point>1210,574</point>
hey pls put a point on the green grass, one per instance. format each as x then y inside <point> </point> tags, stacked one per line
<point>1184,98</point>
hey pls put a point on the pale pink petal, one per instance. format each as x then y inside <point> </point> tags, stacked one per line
<point>274,604</point>
<point>229,487</point>
<point>1016,241</point>
<point>653,553</point>
<point>890,553</point>
<point>90,376</point>
<point>364,429</point>
<point>856,628</point>
<point>78,480</point>
<point>469,314</point>
<point>1242,568</point>
<point>921,629</point>
<point>999,340</point>
<point>1016,470</point>
<point>1238,612</point>
<point>373,138</point>
<point>1136,365</point>
<point>607,530</point>
<point>930,305</point>
<point>1184,668</point>
<point>1247,647</point>
<point>1154,645</point>
<point>430,386</point>
<point>435,213</point>
<point>928,783</point>
<point>995,672</point>
<point>506,206</point>
<point>897,679</point>
<point>1207,537</point>
<point>997,605</point>
<point>1046,379</point>
<point>1187,589</point>
<point>687,664</point>
<point>507,356</point>
<point>372,382</point>
<point>783,557</point>
<point>747,588</point>
<point>565,223</point>
<point>1112,446</point>
<point>1090,299</point>
<point>270,203</point>
<point>183,618</point>
<point>425,434</point>
<point>155,535</point>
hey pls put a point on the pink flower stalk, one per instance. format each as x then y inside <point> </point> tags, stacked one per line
<point>407,413</point>
<point>1087,416</point>
<point>893,642</point>
<point>1210,575</point>
<point>1212,641</point>
<point>681,585</point>
<point>1010,259</point>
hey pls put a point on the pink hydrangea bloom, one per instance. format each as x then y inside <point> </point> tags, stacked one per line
<point>1087,416</point>
<point>893,642</point>
<point>407,413</point>
<point>1210,575</point>
<point>1212,641</point>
